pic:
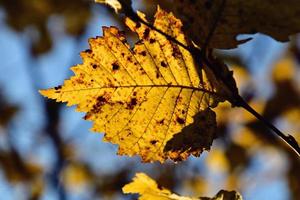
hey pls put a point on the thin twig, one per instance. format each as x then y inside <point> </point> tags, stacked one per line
<point>288,139</point>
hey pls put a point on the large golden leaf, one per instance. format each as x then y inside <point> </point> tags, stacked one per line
<point>148,189</point>
<point>151,100</point>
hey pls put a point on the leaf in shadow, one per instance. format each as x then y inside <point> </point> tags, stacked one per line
<point>194,138</point>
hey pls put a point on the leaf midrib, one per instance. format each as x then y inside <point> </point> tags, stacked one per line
<point>146,86</point>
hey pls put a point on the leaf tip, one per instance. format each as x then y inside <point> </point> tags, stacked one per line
<point>51,93</point>
<point>44,92</point>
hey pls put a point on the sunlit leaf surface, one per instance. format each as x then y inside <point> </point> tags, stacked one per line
<point>151,100</point>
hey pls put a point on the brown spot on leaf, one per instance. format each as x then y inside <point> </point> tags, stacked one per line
<point>152,41</point>
<point>58,87</point>
<point>115,66</point>
<point>143,53</point>
<point>161,121</point>
<point>146,33</point>
<point>138,25</point>
<point>153,142</point>
<point>79,81</point>
<point>163,64</point>
<point>132,103</point>
<point>100,101</point>
<point>180,120</point>
<point>176,52</point>
<point>94,66</point>
<point>129,59</point>
<point>157,74</point>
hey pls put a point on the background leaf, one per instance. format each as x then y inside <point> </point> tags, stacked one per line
<point>278,20</point>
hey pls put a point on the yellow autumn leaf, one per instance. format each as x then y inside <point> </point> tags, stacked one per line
<point>151,100</point>
<point>148,189</point>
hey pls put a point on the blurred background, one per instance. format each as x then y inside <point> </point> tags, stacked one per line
<point>47,151</point>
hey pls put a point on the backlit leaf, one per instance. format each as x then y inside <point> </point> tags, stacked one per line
<point>148,189</point>
<point>151,100</point>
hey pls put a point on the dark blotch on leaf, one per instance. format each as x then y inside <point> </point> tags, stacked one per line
<point>163,64</point>
<point>94,66</point>
<point>58,87</point>
<point>180,120</point>
<point>157,75</point>
<point>176,52</point>
<point>152,41</point>
<point>132,103</point>
<point>115,67</point>
<point>138,25</point>
<point>129,59</point>
<point>153,142</point>
<point>146,33</point>
<point>161,121</point>
<point>100,101</point>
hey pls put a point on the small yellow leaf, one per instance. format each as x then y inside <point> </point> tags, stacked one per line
<point>148,189</point>
<point>152,100</point>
